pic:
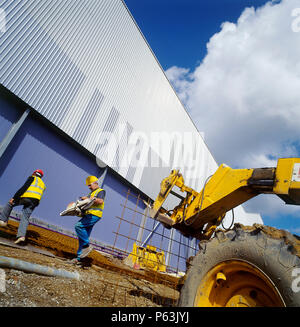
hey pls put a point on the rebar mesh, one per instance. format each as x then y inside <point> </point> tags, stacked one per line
<point>136,226</point>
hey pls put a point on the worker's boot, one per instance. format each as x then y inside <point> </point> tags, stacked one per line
<point>74,262</point>
<point>85,251</point>
<point>20,240</point>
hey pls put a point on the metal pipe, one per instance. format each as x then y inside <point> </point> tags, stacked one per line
<point>13,263</point>
<point>150,234</point>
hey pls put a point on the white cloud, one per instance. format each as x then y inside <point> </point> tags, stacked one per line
<point>181,81</point>
<point>245,94</point>
<point>272,206</point>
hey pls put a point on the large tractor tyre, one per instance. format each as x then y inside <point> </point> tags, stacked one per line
<point>245,266</point>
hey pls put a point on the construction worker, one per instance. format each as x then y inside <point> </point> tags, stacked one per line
<point>90,217</point>
<point>29,195</point>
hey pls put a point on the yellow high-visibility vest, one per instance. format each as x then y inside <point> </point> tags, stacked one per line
<point>35,190</point>
<point>96,209</point>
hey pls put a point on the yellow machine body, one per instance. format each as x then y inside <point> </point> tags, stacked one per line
<point>147,258</point>
<point>287,180</point>
<point>199,213</point>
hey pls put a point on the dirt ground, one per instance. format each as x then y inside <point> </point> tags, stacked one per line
<point>104,282</point>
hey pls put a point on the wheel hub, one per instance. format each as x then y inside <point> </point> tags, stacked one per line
<point>236,283</point>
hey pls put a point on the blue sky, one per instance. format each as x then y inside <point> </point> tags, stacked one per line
<point>254,65</point>
<point>178,30</point>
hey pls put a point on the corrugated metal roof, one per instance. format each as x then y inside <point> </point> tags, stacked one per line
<point>85,66</point>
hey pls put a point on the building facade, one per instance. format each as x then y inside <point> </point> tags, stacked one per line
<point>83,94</point>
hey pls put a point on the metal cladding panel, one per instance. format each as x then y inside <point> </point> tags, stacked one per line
<point>86,67</point>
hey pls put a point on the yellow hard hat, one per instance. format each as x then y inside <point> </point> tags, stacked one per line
<point>91,179</point>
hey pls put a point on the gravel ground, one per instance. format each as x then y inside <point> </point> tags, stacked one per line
<point>97,286</point>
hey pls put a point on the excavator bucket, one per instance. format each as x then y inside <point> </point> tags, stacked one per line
<point>146,258</point>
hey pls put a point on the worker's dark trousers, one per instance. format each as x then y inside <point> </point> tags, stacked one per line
<point>83,230</point>
<point>28,207</point>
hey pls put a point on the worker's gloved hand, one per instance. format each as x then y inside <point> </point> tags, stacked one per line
<point>12,201</point>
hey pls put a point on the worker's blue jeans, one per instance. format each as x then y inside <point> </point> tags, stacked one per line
<point>83,230</point>
<point>28,207</point>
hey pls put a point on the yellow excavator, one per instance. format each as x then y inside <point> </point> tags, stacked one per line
<point>246,265</point>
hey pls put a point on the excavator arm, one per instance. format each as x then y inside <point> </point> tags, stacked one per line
<point>199,213</point>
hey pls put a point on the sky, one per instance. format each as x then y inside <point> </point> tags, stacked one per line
<point>235,64</point>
